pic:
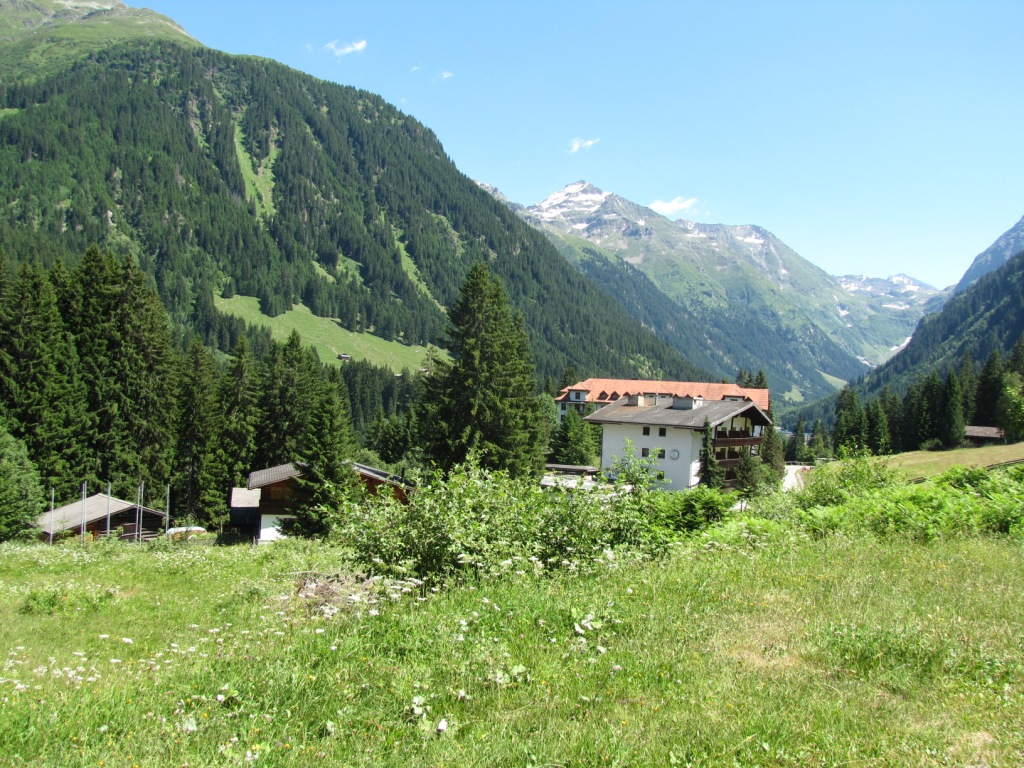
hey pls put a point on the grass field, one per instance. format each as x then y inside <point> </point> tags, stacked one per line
<point>930,463</point>
<point>764,654</point>
<point>329,338</point>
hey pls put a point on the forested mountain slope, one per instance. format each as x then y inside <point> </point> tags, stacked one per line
<point>987,316</point>
<point>238,175</point>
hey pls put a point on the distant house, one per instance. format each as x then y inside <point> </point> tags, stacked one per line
<point>668,428</point>
<point>102,515</point>
<point>259,509</point>
<point>983,435</point>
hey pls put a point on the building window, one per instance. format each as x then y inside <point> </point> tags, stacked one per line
<point>661,453</point>
<point>662,431</point>
<point>647,430</point>
<point>645,453</point>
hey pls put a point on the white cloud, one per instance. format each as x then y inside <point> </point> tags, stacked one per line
<point>674,206</point>
<point>446,75</point>
<point>577,144</point>
<point>344,50</point>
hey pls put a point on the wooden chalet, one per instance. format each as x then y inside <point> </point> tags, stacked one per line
<point>102,515</point>
<point>259,509</point>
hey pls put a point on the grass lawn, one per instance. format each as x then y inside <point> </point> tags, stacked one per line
<point>841,651</point>
<point>329,338</point>
<point>930,463</point>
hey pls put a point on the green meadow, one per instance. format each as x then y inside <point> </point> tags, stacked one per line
<point>759,641</point>
<point>325,335</point>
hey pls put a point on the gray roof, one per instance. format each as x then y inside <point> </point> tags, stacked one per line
<point>244,498</point>
<point>96,507</point>
<point>664,415</point>
<point>271,475</point>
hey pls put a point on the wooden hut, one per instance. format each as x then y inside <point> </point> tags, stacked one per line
<point>102,515</point>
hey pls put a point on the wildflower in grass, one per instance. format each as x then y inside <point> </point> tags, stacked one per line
<point>127,640</point>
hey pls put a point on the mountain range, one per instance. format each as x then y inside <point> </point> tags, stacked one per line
<point>734,297</point>
<point>231,176</point>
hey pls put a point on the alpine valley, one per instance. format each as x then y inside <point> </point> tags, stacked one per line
<point>732,297</point>
<point>234,179</point>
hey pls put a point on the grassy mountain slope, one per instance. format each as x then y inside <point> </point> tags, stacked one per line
<point>231,175</point>
<point>41,37</point>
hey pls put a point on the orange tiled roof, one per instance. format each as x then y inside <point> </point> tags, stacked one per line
<point>623,387</point>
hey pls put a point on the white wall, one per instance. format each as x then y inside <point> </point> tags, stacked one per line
<point>680,473</point>
<point>270,527</point>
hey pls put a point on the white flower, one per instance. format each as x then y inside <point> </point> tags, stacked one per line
<point>127,640</point>
<point>442,726</point>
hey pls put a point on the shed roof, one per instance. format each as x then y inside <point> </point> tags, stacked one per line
<point>244,498</point>
<point>96,508</point>
<point>664,415</point>
<point>271,475</point>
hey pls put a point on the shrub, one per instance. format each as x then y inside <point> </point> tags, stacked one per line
<point>486,523</point>
<point>692,510</point>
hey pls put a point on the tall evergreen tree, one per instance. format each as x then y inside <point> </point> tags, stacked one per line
<point>878,428</point>
<point>572,442</point>
<point>710,471</point>
<point>40,384</point>
<point>797,443</point>
<point>892,408</point>
<point>990,389</point>
<point>773,452</point>
<point>820,445</point>
<point>196,491</point>
<point>851,428</point>
<point>485,401</point>
<point>238,402</point>
<point>21,495</point>
<point>951,427</point>
<point>968,375</point>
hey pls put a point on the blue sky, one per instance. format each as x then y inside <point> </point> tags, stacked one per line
<point>871,137</point>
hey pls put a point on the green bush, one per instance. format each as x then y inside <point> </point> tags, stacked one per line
<point>692,510</point>
<point>486,523</point>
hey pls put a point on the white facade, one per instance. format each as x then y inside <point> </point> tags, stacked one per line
<point>270,527</point>
<point>681,458</point>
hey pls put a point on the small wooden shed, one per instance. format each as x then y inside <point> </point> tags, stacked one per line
<point>103,515</point>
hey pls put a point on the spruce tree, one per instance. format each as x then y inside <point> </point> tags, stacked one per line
<point>196,491</point>
<point>21,495</point>
<point>819,446</point>
<point>40,383</point>
<point>990,389</point>
<point>878,429</point>
<point>485,401</point>
<point>850,430</point>
<point>238,403</point>
<point>710,472</point>
<point>572,442</point>
<point>797,442</point>
<point>772,452</point>
<point>951,428</point>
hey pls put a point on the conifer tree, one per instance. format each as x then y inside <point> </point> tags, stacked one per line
<point>772,452</point>
<point>572,442</point>
<point>990,389</point>
<point>39,382</point>
<point>196,491</point>
<point>819,446</point>
<point>850,430</point>
<point>951,427</point>
<point>878,428</point>
<point>796,444</point>
<point>238,403</point>
<point>21,495</point>
<point>485,401</point>
<point>968,375</point>
<point>710,472</point>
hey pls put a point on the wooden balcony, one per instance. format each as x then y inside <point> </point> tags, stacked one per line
<point>735,439</point>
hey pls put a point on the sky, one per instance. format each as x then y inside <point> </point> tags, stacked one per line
<point>871,137</point>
